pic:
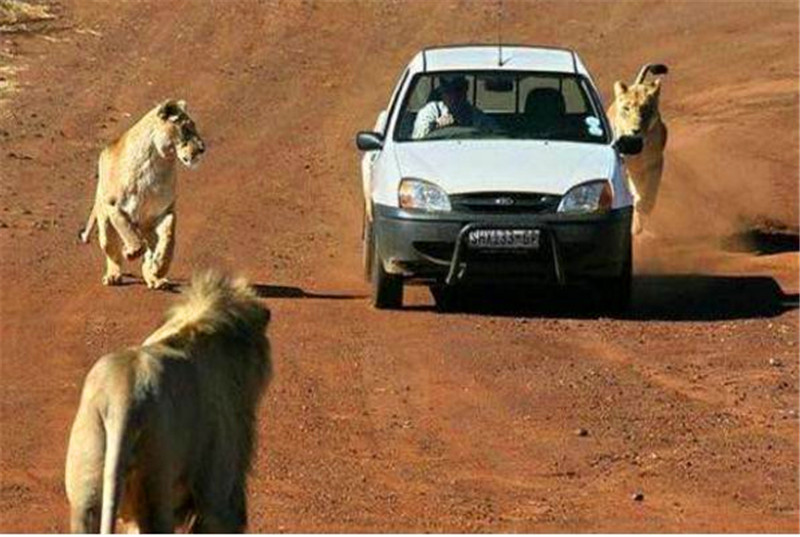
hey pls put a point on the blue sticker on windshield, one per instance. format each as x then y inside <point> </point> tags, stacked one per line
<point>593,126</point>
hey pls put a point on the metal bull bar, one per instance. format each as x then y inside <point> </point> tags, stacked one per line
<point>459,267</point>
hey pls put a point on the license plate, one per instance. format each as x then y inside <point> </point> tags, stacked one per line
<point>504,239</point>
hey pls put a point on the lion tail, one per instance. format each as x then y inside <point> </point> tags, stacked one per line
<point>652,68</point>
<point>113,471</point>
<point>86,233</point>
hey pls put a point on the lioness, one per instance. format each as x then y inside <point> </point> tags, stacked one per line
<point>164,433</point>
<point>134,207</point>
<point>635,112</point>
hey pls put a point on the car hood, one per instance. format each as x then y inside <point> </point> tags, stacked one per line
<point>461,166</point>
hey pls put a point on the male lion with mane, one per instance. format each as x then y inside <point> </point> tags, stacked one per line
<point>634,112</point>
<point>164,433</point>
<point>134,206</point>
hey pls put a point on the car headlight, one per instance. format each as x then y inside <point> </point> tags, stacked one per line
<point>419,194</point>
<point>592,197</point>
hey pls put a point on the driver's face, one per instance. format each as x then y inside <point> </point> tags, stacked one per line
<point>454,98</point>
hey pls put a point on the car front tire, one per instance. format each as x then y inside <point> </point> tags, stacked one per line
<point>367,246</point>
<point>616,292</point>
<point>387,289</point>
<point>446,298</point>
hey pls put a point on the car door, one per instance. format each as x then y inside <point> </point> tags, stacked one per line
<point>369,158</point>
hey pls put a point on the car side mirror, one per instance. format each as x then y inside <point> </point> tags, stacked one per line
<point>369,141</point>
<point>629,145</point>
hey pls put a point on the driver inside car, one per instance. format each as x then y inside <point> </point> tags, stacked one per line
<point>454,109</point>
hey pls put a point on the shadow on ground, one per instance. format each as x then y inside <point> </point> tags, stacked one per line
<point>763,242</point>
<point>262,290</point>
<point>684,297</point>
<point>708,298</point>
<point>287,291</point>
<point>655,297</point>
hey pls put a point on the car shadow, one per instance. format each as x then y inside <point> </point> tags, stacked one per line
<point>690,297</point>
<point>709,298</point>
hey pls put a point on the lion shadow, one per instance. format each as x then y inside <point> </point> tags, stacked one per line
<point>762,242</point>
<point>175,286</point>
<point>288,291</point>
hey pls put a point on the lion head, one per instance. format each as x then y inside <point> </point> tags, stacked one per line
<point>179,132</point>
<point>635,107</point>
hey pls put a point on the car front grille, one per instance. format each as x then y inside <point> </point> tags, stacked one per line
<point>505,202</point>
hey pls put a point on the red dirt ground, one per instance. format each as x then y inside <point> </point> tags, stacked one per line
<point>415,420</point>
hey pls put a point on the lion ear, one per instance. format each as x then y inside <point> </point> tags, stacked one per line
<point>619,88</point>
<point>182,105</point>
<point>170,110</point>
<point>656,86</point>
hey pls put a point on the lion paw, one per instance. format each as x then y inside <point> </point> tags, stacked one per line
<point>637,226</point>
<point>157,283</point>
<point>112,279</point>
<point>646,235</point>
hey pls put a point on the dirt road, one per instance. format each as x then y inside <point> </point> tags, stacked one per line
<point>414,420</point>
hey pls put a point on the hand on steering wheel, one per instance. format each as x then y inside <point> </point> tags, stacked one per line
<point>445,121</point>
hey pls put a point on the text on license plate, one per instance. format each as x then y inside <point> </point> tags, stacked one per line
<point>503,238</point>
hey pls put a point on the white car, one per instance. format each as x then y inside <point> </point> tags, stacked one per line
<point>495,165</point>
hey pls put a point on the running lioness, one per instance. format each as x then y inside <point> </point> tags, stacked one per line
<point>634,112</point>
<point>134,207</point>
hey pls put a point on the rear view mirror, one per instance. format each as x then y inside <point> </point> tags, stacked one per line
<point>369,141</point>
<point>499,84</point>
<point>629,145</point>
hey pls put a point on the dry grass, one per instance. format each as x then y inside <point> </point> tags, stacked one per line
<point>15,15</point>
<point>7,82</point>
<point>19,12</point>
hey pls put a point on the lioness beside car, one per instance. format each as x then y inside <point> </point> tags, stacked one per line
<point>134,206</point>
<point>635,112</point>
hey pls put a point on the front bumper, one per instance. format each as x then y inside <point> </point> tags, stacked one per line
<point>431,247</point>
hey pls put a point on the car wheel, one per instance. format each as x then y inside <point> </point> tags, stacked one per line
<point>367,247</point>
<point>445,297</point>
<point>387,289</point>
<point>616,292</point>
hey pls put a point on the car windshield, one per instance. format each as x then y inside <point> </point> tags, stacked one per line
<point>499,105</point>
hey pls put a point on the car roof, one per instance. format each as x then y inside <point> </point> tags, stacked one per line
<point>497,57</point>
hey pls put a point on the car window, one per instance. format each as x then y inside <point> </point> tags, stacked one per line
<point>496,93</point>
<point>420,94</point>
<point>426,90</point>
<point>394,99</point>
<point>492,105</point>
